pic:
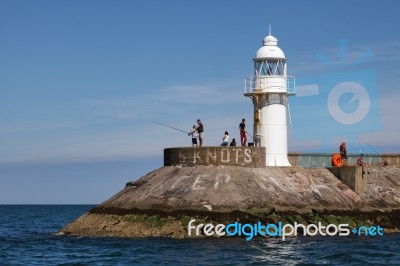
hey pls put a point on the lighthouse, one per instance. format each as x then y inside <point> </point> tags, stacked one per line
<point>269,89</point>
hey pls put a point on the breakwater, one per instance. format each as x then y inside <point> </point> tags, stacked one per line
<point>162,202</point>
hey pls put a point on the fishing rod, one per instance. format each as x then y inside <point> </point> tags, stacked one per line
<point>382,160</point>
<point>373,149</point>
<point>362,147</point>
<point>181,130</point>
<point>249,135</point>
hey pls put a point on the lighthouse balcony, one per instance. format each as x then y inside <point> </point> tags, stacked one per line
<point>272,84</point>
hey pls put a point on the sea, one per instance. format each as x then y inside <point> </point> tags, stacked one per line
<point>28,236</point>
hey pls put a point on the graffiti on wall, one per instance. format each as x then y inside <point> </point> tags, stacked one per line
<point>216,156</point>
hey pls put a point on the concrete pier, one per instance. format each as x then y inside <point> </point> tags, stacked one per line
<point>229,156</point>
<point>255,157</point>
<point>352,176</point>
<point>226,184</point>
<point>162,202</point>
<point>317,160</point>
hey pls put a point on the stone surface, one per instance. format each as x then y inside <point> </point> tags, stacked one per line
<point>232,156</point>
<point>352,176</point>
<point>161,202</point>
<point>318,160</point>
<point>255,157</point>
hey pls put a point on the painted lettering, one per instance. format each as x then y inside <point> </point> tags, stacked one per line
<point>212,155</point>
<point>179,179</point>
<point>182,157</point>
<point>227,157</point>
<point>196,155</point>
<point>197,182</point>
<point>247,155</point>
<point>220,179</point>
<point>237,155</point>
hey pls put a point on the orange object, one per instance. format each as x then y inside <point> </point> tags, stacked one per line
<point>336,160</point>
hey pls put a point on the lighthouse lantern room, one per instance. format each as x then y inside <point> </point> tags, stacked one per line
<point>269,89</point>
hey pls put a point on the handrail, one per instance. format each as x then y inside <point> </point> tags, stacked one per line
<point>272,82</point>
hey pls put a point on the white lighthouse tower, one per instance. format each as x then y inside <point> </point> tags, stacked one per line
<point>269,89</point>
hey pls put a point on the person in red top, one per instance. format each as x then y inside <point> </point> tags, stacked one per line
<point>360,162</point>
<point>242,128</point>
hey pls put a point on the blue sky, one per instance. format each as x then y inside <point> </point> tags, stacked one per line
<point>81,82</point>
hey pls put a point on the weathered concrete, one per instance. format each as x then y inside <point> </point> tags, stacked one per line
<point>317,160</point>
<point>255,157</point>
<point>391,159</point>
<point>221,188</point>
<point>162,202</point>
<point>229,156</point>
<point>352,176</point>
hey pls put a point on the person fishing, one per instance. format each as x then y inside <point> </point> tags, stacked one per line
<point>242,128</point>
<point>200,129</point>
<point>194,136</point>
<point>360,162</point>
<point>192,133</point>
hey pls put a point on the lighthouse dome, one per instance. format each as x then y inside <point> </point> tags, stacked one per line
<point>270,40</point>
<point>270,49</point>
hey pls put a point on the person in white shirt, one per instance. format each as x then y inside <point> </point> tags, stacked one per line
<point>225,139</point>
<point>194,136</point>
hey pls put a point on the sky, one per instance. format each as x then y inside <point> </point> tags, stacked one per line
<point>82,81</point>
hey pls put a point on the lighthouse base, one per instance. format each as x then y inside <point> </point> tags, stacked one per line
<point>273,159</point>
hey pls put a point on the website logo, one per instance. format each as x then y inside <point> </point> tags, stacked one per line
<point>345,102</point>
<point>249,231</point>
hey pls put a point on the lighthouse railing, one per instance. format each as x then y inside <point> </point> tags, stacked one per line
<point>249,84</point>
<point>291,85</point>
<point>253,85</point>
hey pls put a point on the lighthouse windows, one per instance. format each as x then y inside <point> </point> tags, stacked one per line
<point>269,68</point>
<point>277,68</point>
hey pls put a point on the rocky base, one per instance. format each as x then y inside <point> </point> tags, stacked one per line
<point>138,223</point>
<point>164,201</point>
<point>101,225</point>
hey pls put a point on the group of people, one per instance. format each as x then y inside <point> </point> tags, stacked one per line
<point>198,132</point>
<point>243,137</point>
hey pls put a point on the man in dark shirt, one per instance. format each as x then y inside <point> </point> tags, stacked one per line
<point>200,129</point>
<point>343,150</point>
<point>242,128</point>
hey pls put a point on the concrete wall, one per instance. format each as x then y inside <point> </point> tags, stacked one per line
<point>234,156</point>
<point>317,160</point>
<point>352,176</point>
<point>391,159</point>
<point>255,157</point>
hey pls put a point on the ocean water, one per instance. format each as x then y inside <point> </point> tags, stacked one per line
<point>27,237</point>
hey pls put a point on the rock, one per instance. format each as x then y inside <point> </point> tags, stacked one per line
<point>163,201</point>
